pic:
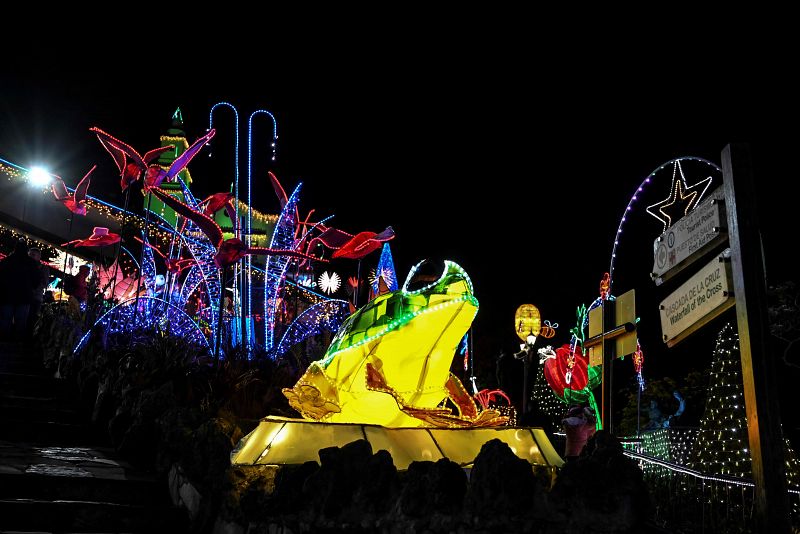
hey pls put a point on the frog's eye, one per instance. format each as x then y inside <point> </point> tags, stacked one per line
<point>427,272</point>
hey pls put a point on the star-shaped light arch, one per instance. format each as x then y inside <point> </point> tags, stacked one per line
<point>681,196</point>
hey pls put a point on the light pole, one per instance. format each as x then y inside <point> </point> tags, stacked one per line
<point>527,325</point>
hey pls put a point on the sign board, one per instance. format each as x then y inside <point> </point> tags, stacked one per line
<point>689,238</point>
<point>700,299</point>
<point>625,340</point>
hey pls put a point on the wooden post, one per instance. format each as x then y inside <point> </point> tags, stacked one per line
<point>761,402</point>
<point>609,353</point>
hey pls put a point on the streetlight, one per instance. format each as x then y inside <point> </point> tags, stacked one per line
<point>39,178</point>
<point>527,325</point>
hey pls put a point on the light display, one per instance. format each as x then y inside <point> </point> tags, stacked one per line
<point>235,221</point>
<point>363,244</point>
<point>11,170</point>
<point>148,266</point>
<point>550,407</point>
<point>527,321</point>
<point>714,169</point>
<point>74,202</point>
<point>249,268</point>
<point>100,237</point>
<point>401,345</point>
<point>121,152</point>
<point>155,174</point>
<point>326,316</point>
<point>277,441</point>
<point>146,313</point>
<point>385,270</point>
<point>329,283</point>
<point>282,237</point>
<point>685,196</point>
<point>722,440</point>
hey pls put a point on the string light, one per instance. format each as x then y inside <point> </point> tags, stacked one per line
<point>721,445</point>
<point>147,313</point>
<point>327,316</point>
<point>282,238</point>
<point>249,261</point>
<point>385,270</point>
<point>641,189</point>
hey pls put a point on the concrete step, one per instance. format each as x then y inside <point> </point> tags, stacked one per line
<point>68,485</point>
<point>13,428</point>
<point>87,516</point>
<point>33,385</point>
<point>50,409</point>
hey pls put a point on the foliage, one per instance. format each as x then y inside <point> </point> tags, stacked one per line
<point>693,387</point>
<point>784,318</point>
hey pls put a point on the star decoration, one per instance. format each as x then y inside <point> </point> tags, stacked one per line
<point>681,200</point>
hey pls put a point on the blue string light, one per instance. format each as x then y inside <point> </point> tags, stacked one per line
<point>236,228</point>
<point>147,312</point>
<point>148,265</point>
<point>386,270</point>
<point>282,238</point>
<point>326,316</point>
<point>249,260</point>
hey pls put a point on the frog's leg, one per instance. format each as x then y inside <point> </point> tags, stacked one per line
<point>314,395</point>
<point>441,417</point>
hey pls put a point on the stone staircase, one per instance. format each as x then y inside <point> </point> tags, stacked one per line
<point>57,474</point>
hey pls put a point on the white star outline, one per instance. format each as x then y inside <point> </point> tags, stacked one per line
<point>679,191</point>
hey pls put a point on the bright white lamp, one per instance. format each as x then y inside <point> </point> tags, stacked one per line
<point>38,176</point>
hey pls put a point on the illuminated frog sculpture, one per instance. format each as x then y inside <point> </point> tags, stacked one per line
<point>389,364</point>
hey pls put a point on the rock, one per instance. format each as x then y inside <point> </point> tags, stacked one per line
<point>432,487</point>
<point>603,490</point>
<point>183,494</point>
<point>503,484</point>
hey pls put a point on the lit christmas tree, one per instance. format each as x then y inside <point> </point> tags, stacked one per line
<point>551,409</point>
<point>722,446</point>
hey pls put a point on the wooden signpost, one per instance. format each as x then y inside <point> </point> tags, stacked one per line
<point>734,277</point>
<point>760,396</point>
<point>612,334</point>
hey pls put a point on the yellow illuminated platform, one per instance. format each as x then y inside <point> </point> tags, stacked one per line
<point>280,441</point>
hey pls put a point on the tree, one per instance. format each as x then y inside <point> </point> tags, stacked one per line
<point>722,445</point>
<point>549,408</point>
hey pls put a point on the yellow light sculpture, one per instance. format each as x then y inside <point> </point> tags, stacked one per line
<point>527,321</point>
<point>385,378</point>
<point>390,362</point>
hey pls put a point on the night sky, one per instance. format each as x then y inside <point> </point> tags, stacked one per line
<point>518,171</point>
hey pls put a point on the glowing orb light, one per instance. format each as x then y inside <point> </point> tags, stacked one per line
<point>38,176</point>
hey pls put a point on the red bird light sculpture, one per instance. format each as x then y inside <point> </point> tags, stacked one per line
<point>130,171</point>
<point>154,175</point>
<point>229,251</point>
<point>76,202</point>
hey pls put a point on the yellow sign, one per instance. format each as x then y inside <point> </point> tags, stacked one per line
<point>527,321</point>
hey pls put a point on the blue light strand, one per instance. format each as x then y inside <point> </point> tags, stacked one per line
<point>152,312</point>
<point>385,265</point>
<point>633,199</point>
<point>282,238</point>
<point>190,283</point>
<point>20,167</point>
<point>203,253</point>
<point>250,203</point>
<point>237,231</point>
<point>148,265</point>
<point>326,316</point>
